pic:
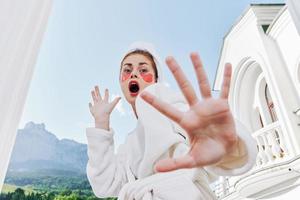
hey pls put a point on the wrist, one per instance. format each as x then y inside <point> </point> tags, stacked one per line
<point>102,124</point>
<point>231,154</point>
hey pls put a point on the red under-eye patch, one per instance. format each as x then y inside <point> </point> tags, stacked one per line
<point>147,77</point>
<point>125,76</point>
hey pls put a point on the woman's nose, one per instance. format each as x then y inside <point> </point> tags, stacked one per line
<point>134,74</point>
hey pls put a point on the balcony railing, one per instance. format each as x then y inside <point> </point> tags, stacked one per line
<point>271,145</point>
<point>272,150</point>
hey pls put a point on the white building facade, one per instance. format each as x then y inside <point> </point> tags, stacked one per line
<point>264,49</point>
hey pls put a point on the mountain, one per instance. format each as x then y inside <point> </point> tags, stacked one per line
<point>38,149</point>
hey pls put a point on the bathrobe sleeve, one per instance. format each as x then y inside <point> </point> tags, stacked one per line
<point>106,171</point>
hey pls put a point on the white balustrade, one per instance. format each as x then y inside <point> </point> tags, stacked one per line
<point>271,145</point>
<point>272,149</point>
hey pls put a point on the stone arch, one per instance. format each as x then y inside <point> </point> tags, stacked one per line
<point>243,92</point>
<point>298,75</point>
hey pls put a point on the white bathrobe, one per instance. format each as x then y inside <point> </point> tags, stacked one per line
<point>129,173</point>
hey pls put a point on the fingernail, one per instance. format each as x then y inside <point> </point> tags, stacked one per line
<point>169,58</point>
<point>194,53</point>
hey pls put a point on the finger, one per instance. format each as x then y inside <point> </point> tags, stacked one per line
<point>170,164</point>
<point>94,96</point>
<point>98,95</point>
<point>201,76</point>
<point>90,106</point>
<point>182,81</point>
<point>114,103</point>
<point>106,95</point>
<point>226,81</point>
<point>166,109</point>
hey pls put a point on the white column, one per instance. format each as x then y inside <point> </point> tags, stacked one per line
<point>294,9</point>
<point>22,25</point>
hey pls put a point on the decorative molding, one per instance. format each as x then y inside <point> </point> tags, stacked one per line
<point>294,8</point>
<point>279,24</point>
<point>256,14</point>
<point>265,14</point>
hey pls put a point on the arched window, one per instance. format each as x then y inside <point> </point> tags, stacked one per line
<point>259,117</point>
<point>272,117</point>
<point>261,122</point>
<point>298,75</point>
<point>270,104</point>
<point>252,101</point>
<point>263,104</point>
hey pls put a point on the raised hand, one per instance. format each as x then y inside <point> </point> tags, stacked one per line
<point>208,122</point>
<point>101,109</point>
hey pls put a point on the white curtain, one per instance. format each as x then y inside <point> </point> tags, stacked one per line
<point>294,8</point>
<point>22,25</point>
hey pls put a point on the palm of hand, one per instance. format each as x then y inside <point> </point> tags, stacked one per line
<point>210,126</point>
<point>101,107</point>
<point>208,123</point>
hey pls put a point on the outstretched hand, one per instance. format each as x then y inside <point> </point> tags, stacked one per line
<point>102,108</point>
<point>208,122</point>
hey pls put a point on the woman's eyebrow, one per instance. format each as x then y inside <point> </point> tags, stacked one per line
<point>143,63</point>
<point>127,64</point>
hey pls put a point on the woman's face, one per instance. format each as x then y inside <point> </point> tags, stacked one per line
<point>137,73</point>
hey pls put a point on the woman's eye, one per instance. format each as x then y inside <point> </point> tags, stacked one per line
<point>126,70</point>
<point>143,70</point>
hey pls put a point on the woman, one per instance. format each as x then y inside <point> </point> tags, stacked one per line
<point>157,143</point>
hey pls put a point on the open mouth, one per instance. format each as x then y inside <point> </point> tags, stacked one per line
<point>134,88</point>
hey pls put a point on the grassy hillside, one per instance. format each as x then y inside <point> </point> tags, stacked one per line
<point>47,185</point>
<point>11,188</point>
<point>49,180</point>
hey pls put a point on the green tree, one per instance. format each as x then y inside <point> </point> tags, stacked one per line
<point>19,194</point>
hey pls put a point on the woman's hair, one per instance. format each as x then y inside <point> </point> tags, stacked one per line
<point>147,55</point>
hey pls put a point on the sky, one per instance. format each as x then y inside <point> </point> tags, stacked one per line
<point>84,43</point>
